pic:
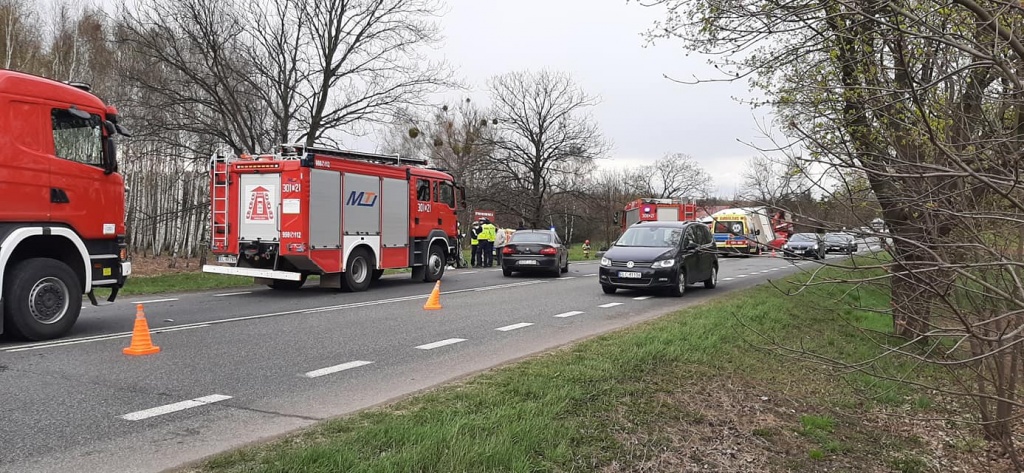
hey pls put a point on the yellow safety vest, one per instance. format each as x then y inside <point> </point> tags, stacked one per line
<point>489,232</point>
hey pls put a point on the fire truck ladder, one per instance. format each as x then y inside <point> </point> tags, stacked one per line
<point>219,201</point>
<point>301,150</point>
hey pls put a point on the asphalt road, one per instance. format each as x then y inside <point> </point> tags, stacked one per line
<point>240,366</point>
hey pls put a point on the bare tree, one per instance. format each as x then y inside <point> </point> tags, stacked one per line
<point>364,62</point>
<point>545,139</point>
<point>675,175</point>
<point>772,182</point>
<point>20,42</point>
<point>924,102</point>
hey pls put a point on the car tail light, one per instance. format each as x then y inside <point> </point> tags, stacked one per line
<point>548,251</point>
<point>507,250</point>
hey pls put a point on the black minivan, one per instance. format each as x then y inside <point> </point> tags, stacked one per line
<point>661,254</point>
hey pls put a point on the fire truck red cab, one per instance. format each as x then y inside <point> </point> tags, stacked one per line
<point>650,210</point>
<point>62,222</point>
<point>343,215</point>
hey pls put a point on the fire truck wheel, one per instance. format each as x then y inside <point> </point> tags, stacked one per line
<point>358,271</point>
<point>44,300</point>
<point>435,264</point>
<point>377,273</point>
<point>285,285</point>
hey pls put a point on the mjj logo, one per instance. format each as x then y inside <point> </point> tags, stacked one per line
<point>362,199</point>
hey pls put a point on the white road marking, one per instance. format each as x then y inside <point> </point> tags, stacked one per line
<point>153,301</point>
<point>762,272</point>
<point>514,326</point>
<point>642,298</point>
<point>776,269</point>
<point>336,368</point>
<point>594,274</point>
<point>175,329</point>
<point>232,294</point>
<point>569,277</point>
<point>178,406</point>
<point>728,279</point>
<point>569,314</point>
<point>450,341</point>
<point>741,276</point>
<point>610,304</point>
<point>469,272</point>
<point>112,336</point>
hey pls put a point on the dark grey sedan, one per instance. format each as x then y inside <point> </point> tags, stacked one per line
<point>804,245</point>
<point>535,250</point>
<point>840,243</point>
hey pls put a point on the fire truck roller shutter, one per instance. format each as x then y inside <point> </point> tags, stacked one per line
<point>325,204</point>
<point>395,228</point>
<point>668,214</point>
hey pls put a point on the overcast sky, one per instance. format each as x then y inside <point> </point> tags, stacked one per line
<point>599,42</point>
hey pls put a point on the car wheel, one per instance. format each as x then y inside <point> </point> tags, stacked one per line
<point>711,282</point>
<point>505,271</point>
<point>608,289</point>
<point>557,271</point>
<point>679,288</point>
<point>565,269</point>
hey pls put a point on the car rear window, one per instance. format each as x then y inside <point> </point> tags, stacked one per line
<point>520,237</point>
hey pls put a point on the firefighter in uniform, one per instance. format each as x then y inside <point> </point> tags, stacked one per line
<point>474,244</point>
<point>487,235</point>
<point>586,249</point>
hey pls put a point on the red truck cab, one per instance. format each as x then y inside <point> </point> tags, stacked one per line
<point>62,229</point>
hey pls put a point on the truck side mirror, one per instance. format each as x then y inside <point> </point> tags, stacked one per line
<point>757,232</point>
<point>615,218</point>
<point>109,155</point>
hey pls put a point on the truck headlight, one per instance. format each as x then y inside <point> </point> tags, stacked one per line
<point>605,261</point>
<point>665,263</point>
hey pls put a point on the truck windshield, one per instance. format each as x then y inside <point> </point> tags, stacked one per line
<point>727,226</point>
<point>658,237</point>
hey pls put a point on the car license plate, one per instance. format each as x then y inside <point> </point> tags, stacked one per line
<point>528,262</point>
<point>629,274</point>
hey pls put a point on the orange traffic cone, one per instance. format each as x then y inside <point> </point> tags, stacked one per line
<point>141,343</point>
<point>434,301</point>
<point>773,253</point>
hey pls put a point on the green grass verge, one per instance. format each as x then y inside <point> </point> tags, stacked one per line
<point>177,282</point>
<point>660,393</point>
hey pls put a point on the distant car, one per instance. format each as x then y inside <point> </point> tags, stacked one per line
<point>533,251</point>
<point>661,255</point>
<point>804,245</point>
<point>840,243</point>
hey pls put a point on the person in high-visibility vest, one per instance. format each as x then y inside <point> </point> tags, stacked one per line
<point>475,254</point>
<point>586,249</point>
<point>487,235</point>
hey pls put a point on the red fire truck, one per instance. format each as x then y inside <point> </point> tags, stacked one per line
<point>62,228</point>
<point>649,210</point>
<point>344,215</point>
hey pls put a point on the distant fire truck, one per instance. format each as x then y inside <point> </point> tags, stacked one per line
<point>649,210</point>
<point>343,215</point>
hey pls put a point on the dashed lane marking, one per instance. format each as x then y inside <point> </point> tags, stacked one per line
<point>728,279</point>
<point>741,276</point>
<point>450,341</point>
<point>610,304</point>
<point>178,406</point>
<point>513,326</point>
<point>96,338</point>
<point>336,368</point>
<point>568,314</point>
<point>642,298</point>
